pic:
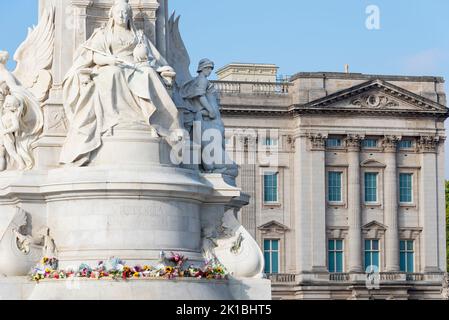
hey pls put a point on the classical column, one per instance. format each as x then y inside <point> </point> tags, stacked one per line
<point>248,185</point>
<point>391,204</point>
<point>354,206</point>
<point>318,202</point>
<point>428,199</point>
<point>301,204</point>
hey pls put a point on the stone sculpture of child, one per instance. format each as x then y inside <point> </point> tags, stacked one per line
<point>10,117</point>
<point>4,92</point>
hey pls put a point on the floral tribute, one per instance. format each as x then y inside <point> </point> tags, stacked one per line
<point>116,269</point>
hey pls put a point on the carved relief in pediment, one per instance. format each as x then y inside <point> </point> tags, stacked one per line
<point>374,101</point>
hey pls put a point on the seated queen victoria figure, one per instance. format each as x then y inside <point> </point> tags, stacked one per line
<point>114,84</point>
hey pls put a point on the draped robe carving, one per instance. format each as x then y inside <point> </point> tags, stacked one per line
<point>130,96</point>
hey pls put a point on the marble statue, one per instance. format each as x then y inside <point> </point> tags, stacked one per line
<point>237,249</point>
<point>4,92</point>
<point>22,91</point>
<point>197,101</point>
<point>21,121</point>
<point>115,83</point>
<point>20,251</point>
<point>114,179</point>
<point>201,106</point>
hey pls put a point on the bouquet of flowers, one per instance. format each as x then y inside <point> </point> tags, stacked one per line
<point>117,269</point>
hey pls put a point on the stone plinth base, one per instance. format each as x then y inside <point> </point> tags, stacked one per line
<point>139,289</point>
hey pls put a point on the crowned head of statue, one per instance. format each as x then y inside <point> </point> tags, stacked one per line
<point>121,13</point>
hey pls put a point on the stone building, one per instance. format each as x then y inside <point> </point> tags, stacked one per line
<point>352,203</point>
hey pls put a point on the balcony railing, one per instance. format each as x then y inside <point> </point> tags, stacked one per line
<point>415,277</point>
<point>339,277</point>
<point>390,276</point>
<point>292,279</point>
<point>258,88</point>
<point>282,278</point>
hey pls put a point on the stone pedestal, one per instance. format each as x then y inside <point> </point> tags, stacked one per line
<point>184,289</point>
<point>131,206</point>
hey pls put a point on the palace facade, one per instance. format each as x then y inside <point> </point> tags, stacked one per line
<point>346,177</point>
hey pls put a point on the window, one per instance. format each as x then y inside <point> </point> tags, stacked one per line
<point>370,143</point>
<point>333,143</point>
<point>336,254</point>
<point>372,256</point>
<point>370,187</point>
<point>406,188</point>
<point>270,142</point>
<point>270,187</point>
<point>407,256</point>
<point>271,254</point>
<point>405,144</point>
<point>334,186</point>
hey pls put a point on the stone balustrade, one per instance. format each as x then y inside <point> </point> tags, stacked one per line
<point>291,279</point>
<point>227,86</point>
<point>339,277</point>
<point>415,277</point>
<point>391,276</point>
<point>282,278</point>
<point>258,88</point>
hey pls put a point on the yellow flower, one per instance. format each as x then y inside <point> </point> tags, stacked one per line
<point>146,268</point>
<point>136,275</point>
<point>47,270</point>
<point>169,269</point>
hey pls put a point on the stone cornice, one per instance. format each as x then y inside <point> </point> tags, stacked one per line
<point>366,77</point>
<point>372,98</point>
<point>299,110</point>
<point>256,110</point>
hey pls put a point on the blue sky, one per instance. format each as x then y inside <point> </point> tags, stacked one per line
<point>298,35</point>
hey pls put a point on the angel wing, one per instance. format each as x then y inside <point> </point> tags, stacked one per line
<point>34,56</point>
<point>177,56</point>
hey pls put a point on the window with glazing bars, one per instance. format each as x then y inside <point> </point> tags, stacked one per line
<point>335,186</point>
<point>270,187</point>
<point>370,187</point>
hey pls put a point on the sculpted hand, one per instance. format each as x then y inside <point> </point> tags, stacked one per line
<point>212,114</point>
<point>115,61</point>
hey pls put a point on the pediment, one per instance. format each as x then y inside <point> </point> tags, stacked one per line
<point>378,95</point>
<point>371,163</point>
<point>374,225</point>
<point>274,226</point>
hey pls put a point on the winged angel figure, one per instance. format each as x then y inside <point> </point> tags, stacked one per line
<point>22,92</point>
<point>198,102</point>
